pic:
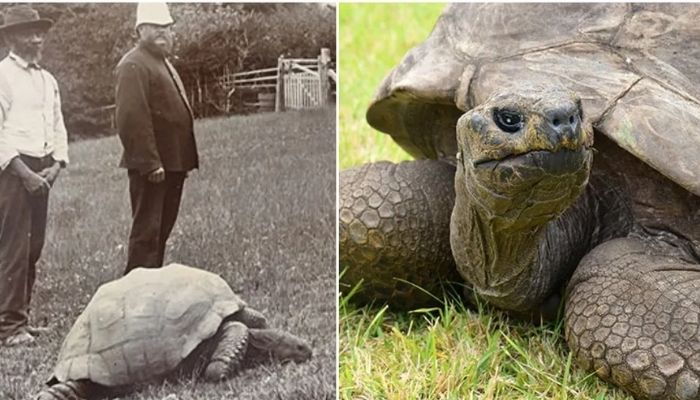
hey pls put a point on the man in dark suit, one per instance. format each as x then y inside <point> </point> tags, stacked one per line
<point>155,125</point>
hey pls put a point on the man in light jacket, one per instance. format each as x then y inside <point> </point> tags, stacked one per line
<point>33,149</point>
<point>155,125</point>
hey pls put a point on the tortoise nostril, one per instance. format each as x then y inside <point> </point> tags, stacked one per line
<point>571,119</point>
<point>556,121</point>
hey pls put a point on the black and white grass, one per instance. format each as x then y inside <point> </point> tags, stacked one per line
<point>260,212</point>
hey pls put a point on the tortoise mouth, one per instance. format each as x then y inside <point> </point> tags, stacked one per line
<point>556,163</point>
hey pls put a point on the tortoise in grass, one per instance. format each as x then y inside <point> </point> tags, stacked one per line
<point>153,323</point>
<point>558,162</point>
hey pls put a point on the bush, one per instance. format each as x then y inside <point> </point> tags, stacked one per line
<point>88,39</point>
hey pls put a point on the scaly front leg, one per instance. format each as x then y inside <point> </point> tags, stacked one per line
<point>632,316</point>
<point>231,347</point>
<point>69,390</point>
<point>394,229</point>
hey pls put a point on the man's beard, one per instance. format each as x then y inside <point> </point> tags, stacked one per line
<point>163,44</point>
<point>31,53</point>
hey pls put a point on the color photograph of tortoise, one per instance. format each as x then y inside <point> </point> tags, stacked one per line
<point>557,171</point>
<point>153,323</point>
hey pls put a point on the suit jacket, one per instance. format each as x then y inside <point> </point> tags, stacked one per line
<point>154,120</point>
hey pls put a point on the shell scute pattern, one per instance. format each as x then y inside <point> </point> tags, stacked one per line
<point>635,66</point>
<point>122,339</point>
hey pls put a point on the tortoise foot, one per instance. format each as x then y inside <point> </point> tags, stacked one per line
<point>632,317</point>
<point>229,352</point>
<point>394,224</point>
<point>70,390</point>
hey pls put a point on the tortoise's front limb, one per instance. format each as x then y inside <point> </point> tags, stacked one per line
<point>69,390</point>
<point>230,349</point>
<point>395,230</point>
<point>238,343</point>
<point>633,317</point>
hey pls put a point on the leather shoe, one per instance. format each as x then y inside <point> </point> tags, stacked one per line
<point>21,338</point>
<point>37,330</point>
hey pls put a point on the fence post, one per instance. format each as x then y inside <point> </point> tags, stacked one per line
<point>279,98</point>
<point>323,60</point>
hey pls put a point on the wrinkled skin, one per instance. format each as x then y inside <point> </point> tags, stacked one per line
<point>536,223</point>
<point>509,184</point>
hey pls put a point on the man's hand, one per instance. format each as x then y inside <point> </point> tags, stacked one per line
<point>51,173</point>
<point>157,176</point>
<point>35,183</point>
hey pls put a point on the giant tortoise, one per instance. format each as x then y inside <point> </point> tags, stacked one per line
<point>558,162</point>
<point>153,323</point>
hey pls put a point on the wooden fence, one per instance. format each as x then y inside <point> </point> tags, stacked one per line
<point>295,83</point>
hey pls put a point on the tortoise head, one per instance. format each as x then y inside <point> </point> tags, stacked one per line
<point>525,149</point>
<point>280,344</point>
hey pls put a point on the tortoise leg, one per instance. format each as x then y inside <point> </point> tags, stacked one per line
<point>632,317</point>
<point>69,390</point>
<point>229,351</point>
<point>252,318</point>
<point>395,228</point>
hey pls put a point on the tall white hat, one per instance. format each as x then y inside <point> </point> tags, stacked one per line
<point>153,13</point>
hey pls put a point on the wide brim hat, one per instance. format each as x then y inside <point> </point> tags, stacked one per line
<point>23,17</point>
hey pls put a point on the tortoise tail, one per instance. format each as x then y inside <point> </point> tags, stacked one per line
<point>69,390</point>
<point>230,350</point>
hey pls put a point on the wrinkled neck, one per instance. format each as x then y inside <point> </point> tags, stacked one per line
<point>265,339</point>
<point>277,344</point>
<point>497,258</point>
<point>498,238</point>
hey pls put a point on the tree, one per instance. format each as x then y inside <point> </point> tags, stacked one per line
<point>88,40</point>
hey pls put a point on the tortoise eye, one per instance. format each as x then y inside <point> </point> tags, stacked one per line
<point>508,121</point>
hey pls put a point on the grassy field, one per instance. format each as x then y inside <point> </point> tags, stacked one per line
<point>260,211</point>
<point>452,352</point>
<point>370,46</point>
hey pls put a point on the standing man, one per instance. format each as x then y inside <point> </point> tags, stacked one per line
<point>33,148</point>
<point>155,125</point>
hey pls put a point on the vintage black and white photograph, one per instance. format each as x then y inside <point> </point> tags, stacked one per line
<point>167,201</point>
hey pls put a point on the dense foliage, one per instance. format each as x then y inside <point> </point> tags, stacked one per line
<point>88,39</point>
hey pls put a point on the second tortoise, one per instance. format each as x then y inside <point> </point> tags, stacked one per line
<point>532,196</point>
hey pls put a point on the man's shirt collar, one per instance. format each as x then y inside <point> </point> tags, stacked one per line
<point>22,62</point>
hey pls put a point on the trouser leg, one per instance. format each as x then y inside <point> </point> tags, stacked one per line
<point>171,205</point>
<point>22,232</point>
<point>146,213</point>
<point>154,208</point>
<point>39,208</point>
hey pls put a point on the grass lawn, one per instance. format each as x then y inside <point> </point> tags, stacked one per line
<point>370,46</point>
<point>452,352</point>
<point>260,211</point>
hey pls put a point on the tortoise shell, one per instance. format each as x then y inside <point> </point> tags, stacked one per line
<point>144,324</point>
<point>636,68</point>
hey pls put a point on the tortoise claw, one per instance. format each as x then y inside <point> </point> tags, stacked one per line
<point>216,371</point>
<point>230,350</point>
<point>70,390</point>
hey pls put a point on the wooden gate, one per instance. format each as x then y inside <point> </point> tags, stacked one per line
<point>295,83</point>
<point>302,90</point>
<point>304,82</point>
